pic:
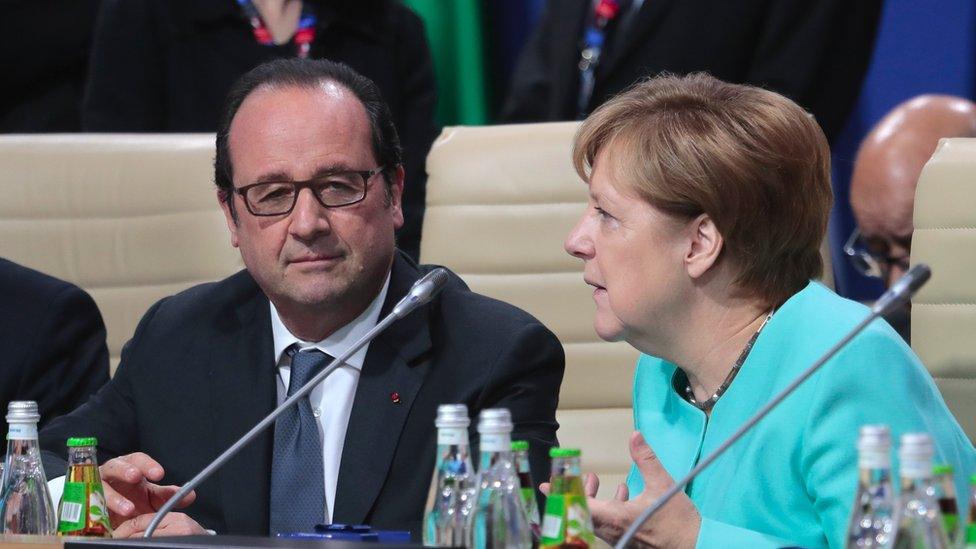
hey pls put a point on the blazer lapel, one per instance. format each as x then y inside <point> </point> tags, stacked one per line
<point>243,382</point>
<point>647,17</point>
<point>392,365</point>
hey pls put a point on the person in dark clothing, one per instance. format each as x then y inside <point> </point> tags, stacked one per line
<point>45,49</point>
<point>166,66</point>
<point>52,340</point>
<point>813,52</point>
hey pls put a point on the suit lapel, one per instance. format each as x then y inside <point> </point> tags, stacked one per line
<point>647,17</point>
<point>392,365</point>
<point>243,381</point>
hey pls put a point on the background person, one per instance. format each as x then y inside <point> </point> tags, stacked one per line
<point>708,202</point>
<point>886,172</point>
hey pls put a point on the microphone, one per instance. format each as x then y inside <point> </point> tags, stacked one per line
<point>422,291</point>
<point>899,293</point>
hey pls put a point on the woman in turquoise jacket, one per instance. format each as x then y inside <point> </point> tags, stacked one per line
<point>708,203</point>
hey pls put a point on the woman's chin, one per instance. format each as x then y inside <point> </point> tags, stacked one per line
<point>608,329</point>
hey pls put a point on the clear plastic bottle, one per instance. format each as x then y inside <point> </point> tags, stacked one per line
<point>520,448</point>
<point>452,486</point>
<point>918,521</point>
<point>498,519</point>
<point>871,523</point>
<point>25,503</point>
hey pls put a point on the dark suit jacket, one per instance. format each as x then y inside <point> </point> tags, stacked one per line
<point>167,65</point>
<point>814,51</point>
<point>52,342</point>
<point>199,372</point>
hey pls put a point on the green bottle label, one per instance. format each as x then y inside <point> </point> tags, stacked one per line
<point>565,521</point>
<point>72,515</point>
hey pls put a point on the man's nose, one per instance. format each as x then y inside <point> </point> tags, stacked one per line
<point>309,218</point>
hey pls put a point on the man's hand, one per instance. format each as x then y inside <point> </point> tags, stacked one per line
<point>173,524</point>
<point>130,489</point>
<point>674,525</point>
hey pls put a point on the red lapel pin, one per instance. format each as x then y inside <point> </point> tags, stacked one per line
<point>395,397</point>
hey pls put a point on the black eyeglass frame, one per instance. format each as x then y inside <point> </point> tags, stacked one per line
<point>309,184</point>
<point>867,263</point>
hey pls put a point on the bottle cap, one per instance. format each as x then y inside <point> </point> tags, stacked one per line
<point>972,480</point>
<point>75,442</point>
<point>942,469</point>
<point>520,445</point>
<point>915,454</point>
<point>495,420</point>
<point>874,437</point>
<point>452,416</point>
<point>22,411</point>
<point>564,452</point>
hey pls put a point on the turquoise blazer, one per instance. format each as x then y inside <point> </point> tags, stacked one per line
<point>791,480</point>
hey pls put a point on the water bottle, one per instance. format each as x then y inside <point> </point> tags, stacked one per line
<point>871,523</point>
<point>25,503</point>
<point>918,521</point>
<point>452,486</point>
<point>498,520</point>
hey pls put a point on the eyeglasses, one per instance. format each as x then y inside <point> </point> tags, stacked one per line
<point>331,190</point>
<point>870,263</point>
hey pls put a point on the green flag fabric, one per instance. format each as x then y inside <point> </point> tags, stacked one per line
<point>454,31</point>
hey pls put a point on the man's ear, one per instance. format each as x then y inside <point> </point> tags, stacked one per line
<point>224,198</point>
<point>396,196</point>
<point>705,246</point>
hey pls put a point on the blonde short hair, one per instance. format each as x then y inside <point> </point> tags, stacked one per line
<point>752,160</point>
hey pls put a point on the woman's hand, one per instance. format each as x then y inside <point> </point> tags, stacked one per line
<point>674,525</point>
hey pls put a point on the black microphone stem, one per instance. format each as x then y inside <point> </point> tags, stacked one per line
<point>901,291</point>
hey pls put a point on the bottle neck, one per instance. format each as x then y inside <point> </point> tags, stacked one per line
<point>452,436</point>
<point>21,438</point>
<point>494,447</point>
<point>874,476</point>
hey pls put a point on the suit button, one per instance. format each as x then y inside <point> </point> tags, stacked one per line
<point>316,412</point>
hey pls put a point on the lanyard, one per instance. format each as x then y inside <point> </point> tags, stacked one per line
<point>594,37</point>
<point>304,36</point>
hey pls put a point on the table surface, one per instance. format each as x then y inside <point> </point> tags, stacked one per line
<point>185,542</point>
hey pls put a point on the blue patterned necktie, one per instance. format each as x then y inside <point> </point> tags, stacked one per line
<point>297,480</point>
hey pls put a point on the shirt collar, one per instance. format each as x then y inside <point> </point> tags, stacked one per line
<point>339,341</point>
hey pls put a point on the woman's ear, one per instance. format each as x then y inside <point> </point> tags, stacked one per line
<point>705,246</point>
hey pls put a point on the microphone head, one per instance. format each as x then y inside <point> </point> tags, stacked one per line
<point>422,291</point>
<point>903,289</point>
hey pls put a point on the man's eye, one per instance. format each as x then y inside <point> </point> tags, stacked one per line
<point>273,193</point>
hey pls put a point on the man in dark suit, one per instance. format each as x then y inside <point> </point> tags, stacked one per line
<point>814,52</point>
<point>52,340</point>
<point>309,176</point>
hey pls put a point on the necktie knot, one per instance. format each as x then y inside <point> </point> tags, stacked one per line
<point>304,365</point>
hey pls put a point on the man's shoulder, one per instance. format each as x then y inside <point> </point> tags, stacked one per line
<point>207,300</point>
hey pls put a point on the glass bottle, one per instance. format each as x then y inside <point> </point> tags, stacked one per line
<point>82,511</point>
<point>970,539</point>
<point>567,522</point>
<point>918,522</point>
<point>520,448</point>
<point>498,519</point>
<point>944,492</point>
<point>25,503</point>
<point>871,521</point>
<point>451,488</point>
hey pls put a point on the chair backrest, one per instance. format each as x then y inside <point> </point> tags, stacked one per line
<point>500,202</point>
<point>944,311</point>
<point>129,218</point>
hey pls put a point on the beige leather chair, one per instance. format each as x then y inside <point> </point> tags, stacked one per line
<point>944,311</point>
<point>129,218</point>
<point>500,202</point>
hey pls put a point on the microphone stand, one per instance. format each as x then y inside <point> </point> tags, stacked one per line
<point>421,292</point>
<point>899,292</point>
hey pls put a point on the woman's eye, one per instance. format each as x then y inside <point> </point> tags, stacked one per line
<point>602,213</point>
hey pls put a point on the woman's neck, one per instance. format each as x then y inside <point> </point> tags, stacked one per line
<point>714,336</point>
<point>281,17</point>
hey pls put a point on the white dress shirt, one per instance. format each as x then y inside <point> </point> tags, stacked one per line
<point>332,400</point>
